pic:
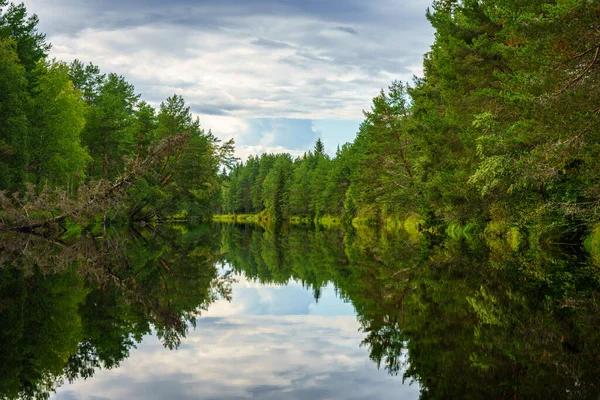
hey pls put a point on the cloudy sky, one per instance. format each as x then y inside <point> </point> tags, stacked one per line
<point>269,342</point>
<point>273,74</point>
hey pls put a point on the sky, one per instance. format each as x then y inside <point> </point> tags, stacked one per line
<point>274,75</point>
<point>268,342</point>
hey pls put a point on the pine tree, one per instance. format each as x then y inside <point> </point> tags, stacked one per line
<point>31,45</point>
<point>319,147</point>
<point>108,133</point>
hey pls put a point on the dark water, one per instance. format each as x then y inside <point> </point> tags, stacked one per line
<point>240,311</point>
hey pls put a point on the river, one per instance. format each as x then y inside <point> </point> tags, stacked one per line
<point>227,311</point>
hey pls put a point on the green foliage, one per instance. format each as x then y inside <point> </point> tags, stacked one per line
<point>108,133</point>
<point>187,181</point>
<point>76,142</point>
<point>87,78</point>
<point>592,244</point>
<point>384,149</point>
<point>319,148</point>
<point>14,104</point>
<point>144,128</point>
<point>41,328</point>
<point>273,187</point>
<point>57,119</point>
<point>278,187</point>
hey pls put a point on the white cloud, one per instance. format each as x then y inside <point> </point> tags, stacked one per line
<point>262,60</point>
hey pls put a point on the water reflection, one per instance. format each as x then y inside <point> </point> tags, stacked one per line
<point>459,318</point>
<point>258,356</point>
<point>478,319</point>
<point>71,308</point>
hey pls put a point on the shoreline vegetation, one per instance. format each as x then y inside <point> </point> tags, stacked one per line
<point>411,223</point>
<point>499,138</point>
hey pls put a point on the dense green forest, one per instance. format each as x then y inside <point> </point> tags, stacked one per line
<point>76,142</point>
<point>502,132</point>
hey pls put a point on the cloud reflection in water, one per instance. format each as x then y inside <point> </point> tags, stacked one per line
<point>270,342</point>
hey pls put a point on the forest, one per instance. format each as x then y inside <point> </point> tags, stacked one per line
<point>500,135</point>
<point>78,144</point>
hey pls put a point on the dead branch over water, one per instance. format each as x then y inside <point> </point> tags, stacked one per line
<point>28,212</point>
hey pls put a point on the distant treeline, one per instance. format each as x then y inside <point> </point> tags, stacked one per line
<point>70,128</point>
<point>503,129</point>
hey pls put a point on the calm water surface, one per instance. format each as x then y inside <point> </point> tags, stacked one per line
<point>269,342</point>
<point>241,311</point>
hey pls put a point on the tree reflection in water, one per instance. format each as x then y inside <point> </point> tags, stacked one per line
<point>464,318</point>
<point>67,309</point>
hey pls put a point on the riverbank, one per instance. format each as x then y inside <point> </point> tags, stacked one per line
<point>411,223</point>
